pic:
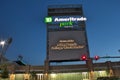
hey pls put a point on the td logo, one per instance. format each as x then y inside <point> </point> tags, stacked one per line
<point>48,19</point>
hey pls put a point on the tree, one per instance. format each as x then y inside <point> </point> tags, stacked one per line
<point>33,75</point>
<point>4,71</point>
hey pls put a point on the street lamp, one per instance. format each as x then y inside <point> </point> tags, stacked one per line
<point>2,43</point>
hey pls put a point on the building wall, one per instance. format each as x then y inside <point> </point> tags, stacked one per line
<point>65,72</point>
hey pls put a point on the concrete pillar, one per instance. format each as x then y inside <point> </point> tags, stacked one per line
<point>27,68</point>
<point>11,69</point>
<point>89,64</point>
<point>110,69</point>
<point>46,69</point>
<point>12,76</point>
<point>26,76</point>
<point>91,75</point>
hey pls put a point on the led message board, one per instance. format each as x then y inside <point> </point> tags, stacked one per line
<point>66,45</point>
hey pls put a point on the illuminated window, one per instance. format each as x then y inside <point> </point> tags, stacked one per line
<point>53,75</point>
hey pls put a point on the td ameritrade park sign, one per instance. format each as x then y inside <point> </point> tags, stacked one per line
<point>64,19</point>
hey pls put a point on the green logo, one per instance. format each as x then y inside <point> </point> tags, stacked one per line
<point>68,24</point>
<point>48,19</point>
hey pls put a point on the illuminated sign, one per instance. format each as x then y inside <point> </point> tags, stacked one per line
<point>66,24</point>
<point>67,44</point>
<point>64,19</point>
<point>70,19</point>
<point>48,19</point>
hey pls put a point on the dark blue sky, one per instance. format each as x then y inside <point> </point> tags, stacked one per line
<point>23,20</point>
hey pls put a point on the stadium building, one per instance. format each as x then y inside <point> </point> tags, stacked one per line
<point>66,43</point>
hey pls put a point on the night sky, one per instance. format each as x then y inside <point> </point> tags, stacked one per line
<point>23,20</point>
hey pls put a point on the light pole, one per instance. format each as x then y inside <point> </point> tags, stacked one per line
<point>2,44</point>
